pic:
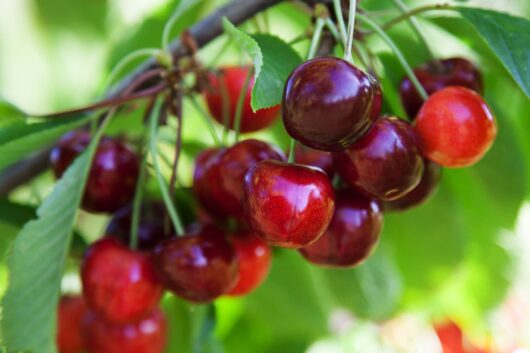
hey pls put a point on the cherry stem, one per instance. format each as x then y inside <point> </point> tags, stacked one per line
<point>170,24</point>
<point>292,151</point>
<point>207,120</point>
<point>334,31</point>
<point>139,192</point>
<point>240,103</point>
<point>409,14</point>
<point>176,101</point>
<point>220,53</point>
<point>416,27</point>
<point>315,40</point>
<point>175,219</point>
<point>337,6</point>
<point>380,31</point>
<point>351,30</point>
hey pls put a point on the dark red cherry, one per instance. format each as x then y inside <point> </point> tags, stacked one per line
<point>254,256</point>
<point>385,163</point>
<point>151,230</point>
<point>328,103</point>
<point>147,335</point>
<point>70,315</point>
<point>421,193</point>
<point>315,158</point>
<point>112,180</point>
<point>198,267</point>
<point>288,205</point>
<point>434,76</point>
<point>352,235</point>
<point>119,284</point>
<point>455,127</point>
<point>218,182</point>
<point>232,80</point>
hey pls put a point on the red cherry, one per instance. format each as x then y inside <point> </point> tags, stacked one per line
<point>421,193</point>
<point>385,163</point>
<point>148,335</point>
<point>119,284</point>
<point>352,235</point>
<point>151,230</point>
<point>288,205</point>
<point>434,76</point>
<point>71,311</point>
<point>232,79</point>
<point>112,180</point>
<point>218,179</point>
<point>198,267</point>
<point>455,127</point>
<point>254,257</point>
<point>315,158</point>
<point>328,103</point>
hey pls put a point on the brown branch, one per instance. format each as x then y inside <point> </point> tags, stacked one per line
<point>203,32</point>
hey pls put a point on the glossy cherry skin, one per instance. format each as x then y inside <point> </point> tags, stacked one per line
<point>328,103</point>
<point>422,192</point>
<point>200,266</point>
<point>148,335</point>
<point>352,234</point>
<point>112,179</point>
<point>386,163</point>
<point>254,256</point>
<point>435,76</point>
<point>288,205</point>
<point>315,158</point>
<point>119,284</point>
<point>151,229</point>
<point>218,182</point>
<point>232,79</point>
<point>455,127</point>
<point>71,312</point>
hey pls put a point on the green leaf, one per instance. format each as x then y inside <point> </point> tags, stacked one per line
<point>20,139</point>
<point>36,263</point>
<point>273,62</point>
<point>509,38</point>
<point>10,114</point>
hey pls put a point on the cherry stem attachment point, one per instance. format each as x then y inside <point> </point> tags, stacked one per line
<point>153,129</point>
<point>240,103</point>
<point>351,31</point>
<point>380,31</point>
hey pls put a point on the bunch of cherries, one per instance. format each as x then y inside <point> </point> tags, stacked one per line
<point>350,164</point>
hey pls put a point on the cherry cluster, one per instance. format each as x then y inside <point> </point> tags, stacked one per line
<point>349,165</point>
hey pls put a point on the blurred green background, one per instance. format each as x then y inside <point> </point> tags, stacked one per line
<point>464,255</point>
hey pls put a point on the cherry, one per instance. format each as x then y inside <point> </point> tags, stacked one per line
<point>288,205</point>
<point>151,228</point>
<point>119,284</point>
<point>232,79</point>
<point>70,315</point>
<point>385,163</point>
<point>315,158</point>
<point>427,186</point>
<point>455,127</point>
<point>112,180</point>
<point>198,267</point>
<point>254,257</point>
<point>328,103</point>
<point>218,179</point>
<point>352,235</point>
<point>148,335</point>
<point>434,76</point>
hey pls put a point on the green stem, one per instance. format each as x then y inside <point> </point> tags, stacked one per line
<point>137,202</point>
<point>334,30</point>
<point>415,26</point>
<point>292,151</point>
<point>379,30</point>
<point>220,53</point>
<point>181,8</point>
<point>340,20</point>
<point>315,41</point>
<point>240,103</point>
<point>207,120</point>
<point>177,223</point>
<point>351,30</point>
